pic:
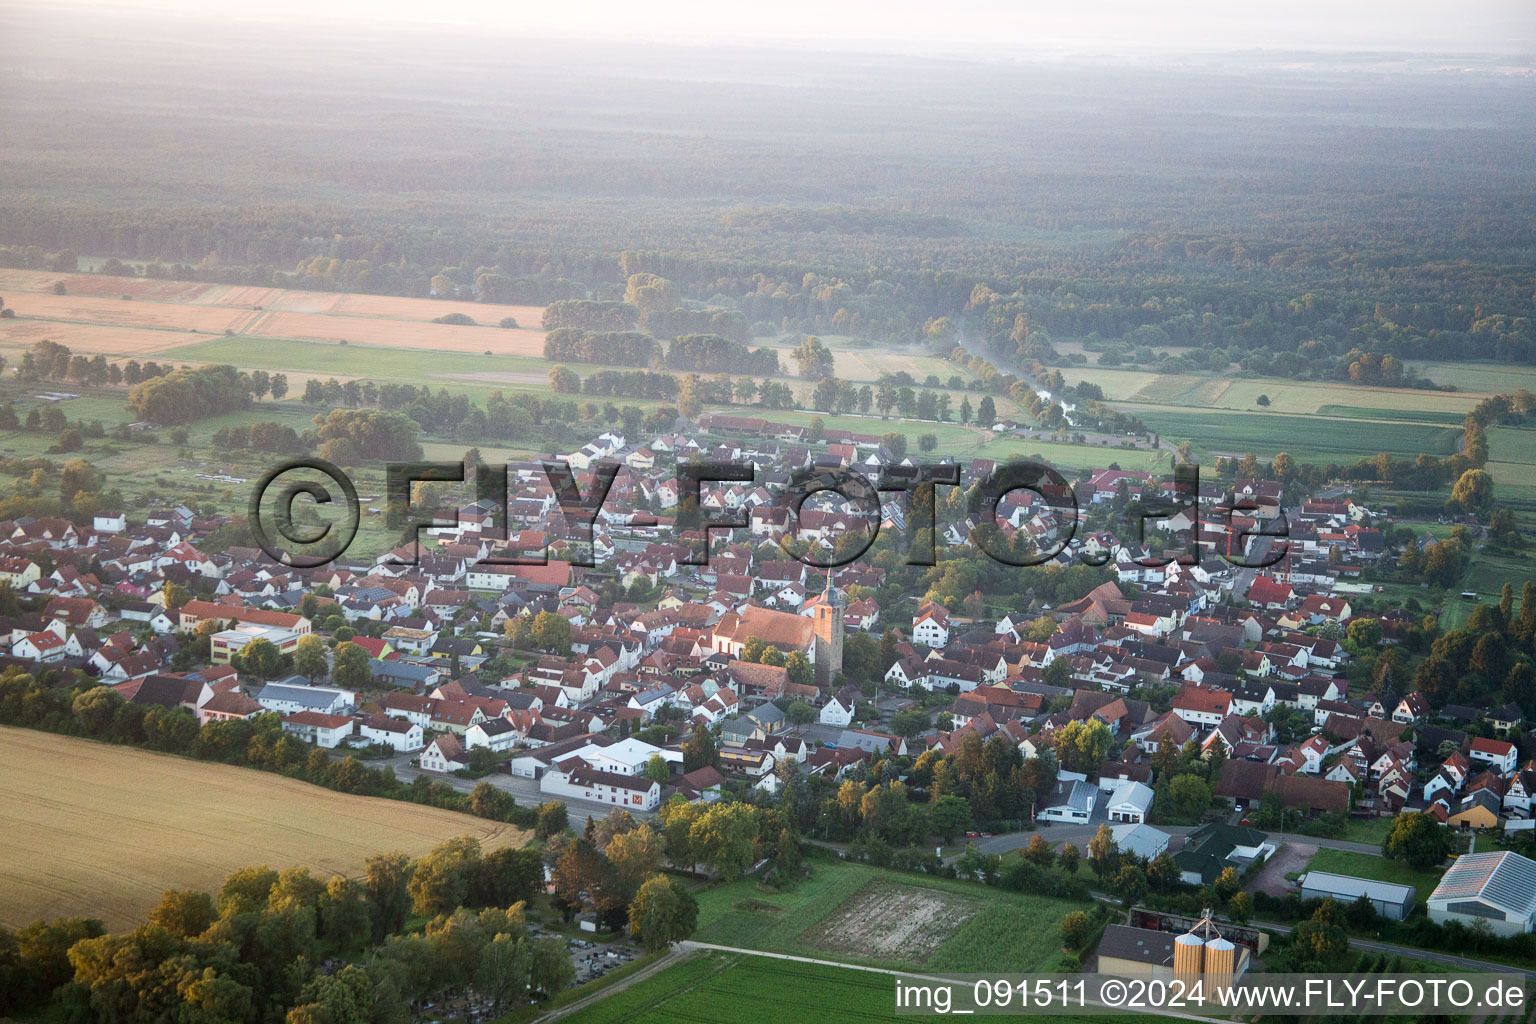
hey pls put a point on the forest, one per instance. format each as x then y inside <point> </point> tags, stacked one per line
<point>903,200</point>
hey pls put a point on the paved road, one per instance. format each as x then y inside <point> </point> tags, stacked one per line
<point>1079,835</point>
<point>1461,962</point>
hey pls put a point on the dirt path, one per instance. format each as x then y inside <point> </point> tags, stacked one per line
<point>673,954</point>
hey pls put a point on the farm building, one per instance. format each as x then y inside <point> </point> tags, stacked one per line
<point>1497,888</point>
<point>1210,849</point>
<point>1135,951</point>
<point>1391,901</point>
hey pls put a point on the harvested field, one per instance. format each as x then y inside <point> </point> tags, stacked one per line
<point>396,333</point>
<point>42,282</point>
<point>89,339</point>
<point>88,829</point>
<point>166,316</point>
<point>892,922</point>
<point>93,317</point>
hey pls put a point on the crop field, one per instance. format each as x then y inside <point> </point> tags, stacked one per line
<point>893,922</point>
<point>735,988</point>
<point>1310,438</point>
<point>981,928</point>
<point>1143,388</point>
<point>741,989</point>
<point>88,829</point>
<point>111,315</point>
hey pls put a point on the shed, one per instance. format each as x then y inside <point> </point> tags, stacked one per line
<point>1390,900</point>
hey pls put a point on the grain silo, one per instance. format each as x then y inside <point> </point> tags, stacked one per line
<point>1188,955</point>
<point>1220,964</point>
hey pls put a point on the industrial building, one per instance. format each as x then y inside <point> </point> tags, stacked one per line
<point>1390,900</point>
<point>1496,888</point>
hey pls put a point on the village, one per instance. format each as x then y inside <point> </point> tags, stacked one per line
<point>645,678</point>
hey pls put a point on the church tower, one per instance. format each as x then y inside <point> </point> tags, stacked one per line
<point>828,632</point>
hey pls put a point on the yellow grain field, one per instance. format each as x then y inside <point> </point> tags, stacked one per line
<point>91,830</point>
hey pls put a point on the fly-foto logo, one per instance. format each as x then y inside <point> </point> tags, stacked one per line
<point>313,543</point>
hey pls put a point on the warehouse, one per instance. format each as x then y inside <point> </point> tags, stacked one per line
<point>1390,900</point>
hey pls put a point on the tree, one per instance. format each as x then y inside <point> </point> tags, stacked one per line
<point>552,632</point>
<point>261,658</point>
<point>1074,929</point>
<point>309,658</point>
<point>658,770</point>
<point>1227,884</point>
<point>1419,840</point>
<point>1069,858</point>
<point>986,413</point>
<point>551,819</point>
<point>1473,491</point>
<point>441,879</point>
<point>577,875</point>
<point>635,855</point>
<point>183,912</point>
<point>1262,401</point>
<point>950,816</point>
<point>1101,848</point>
<point>722,837</point>
<point>927,442</point>
<point>1364,633</point>
<point>663,912</point>
<point>386,881</point>
<point>800,713</point>
<point>1038,851</point>
<point>351,666</point>
<point>1189,796</point>
<point>700,751</point>
<point>1082,745</point>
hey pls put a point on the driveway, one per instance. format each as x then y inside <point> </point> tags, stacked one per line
<point>1271,878</point>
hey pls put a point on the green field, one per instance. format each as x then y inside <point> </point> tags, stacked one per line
<point>1308,438</point>
<point>739,989</point>
<point>1352,412</point>
<point>728,988</point>
<point>1201,391</point>
<point>1483,378</point>
<point>1379,869</point>
<point>1003,930</point>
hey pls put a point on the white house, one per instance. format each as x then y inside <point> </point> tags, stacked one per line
<point>930,626</point>
<point>290,697</point>
<point>401,736</point>
<point>444,754</point>
<point>496,733</point>
<point>1500,755</point>
<point>315,727</point>
<point>573,779</point>
<point>835,712</point>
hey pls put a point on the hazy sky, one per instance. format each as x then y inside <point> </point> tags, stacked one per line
<point>962,26</point>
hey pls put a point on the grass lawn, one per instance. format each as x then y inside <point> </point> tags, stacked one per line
<point>1000,930</point>
<point>1365,865</point>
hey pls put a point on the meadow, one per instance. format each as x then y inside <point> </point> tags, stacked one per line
<point>1379,869</point>
<point>1000,930</point>
<point>88,829</point>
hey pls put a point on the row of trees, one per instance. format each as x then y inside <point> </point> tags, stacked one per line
<point>250,952</point>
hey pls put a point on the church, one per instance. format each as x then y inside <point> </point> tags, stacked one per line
<point>818,636</point>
